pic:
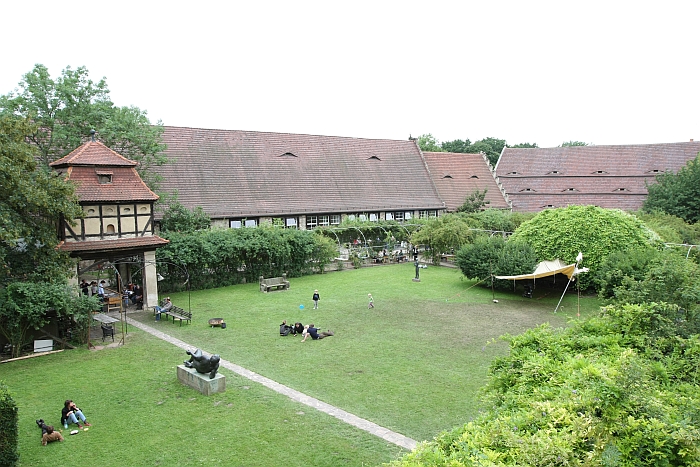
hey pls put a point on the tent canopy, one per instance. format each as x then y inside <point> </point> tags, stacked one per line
<point>544,269</point>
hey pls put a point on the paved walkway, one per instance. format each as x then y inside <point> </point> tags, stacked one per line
<point>361,423</point>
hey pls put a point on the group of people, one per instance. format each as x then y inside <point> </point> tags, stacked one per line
<point>133,293</point>
<point>70,414</point>
<point>305,331</point>
<point>93,288</point>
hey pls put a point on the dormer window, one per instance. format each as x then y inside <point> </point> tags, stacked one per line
<point>554,172</point>
<point>599,172</point>
<point>473,176</point>
<point>447,176</point>
<point>104,178</point>
<point>373,158</point>
<point>654,171</point>
<point>526,190</point>
<point>570,190</point>
<point>288,154</point>
<point>621,189</point>
<point>513,173</point>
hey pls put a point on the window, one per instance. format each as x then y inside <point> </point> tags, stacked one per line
<point>427,214</point>
<point>407,215</point>
<point>335,219</point>
<point>103,179</point>
<point>621,189</point>
<point>373,217</point>
<point>323,221</point>
<point>473,176</point>
<point>389,216</point>
<point>311,222</point>
<point>235,224</point>
<point>527,189</point>
<point>251,223</point>
<point>398,216</point>
<point>290,222</point>
<point>599,172</point>
<point>447,176</point>
<point>553,172</point>
<point>569,190</point>
<point>238,223</point>
<point>110,229</point>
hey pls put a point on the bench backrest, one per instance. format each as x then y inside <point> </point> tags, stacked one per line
<point>274,280</point>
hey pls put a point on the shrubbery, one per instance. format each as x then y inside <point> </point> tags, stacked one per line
<point>619,389</point>
<point>9,434</point>
<point>216,258</point>
<point>596,232</point>
<point>494,255</point>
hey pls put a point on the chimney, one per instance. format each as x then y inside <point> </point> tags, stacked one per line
<point>92,136</point>
<point>691,140</point>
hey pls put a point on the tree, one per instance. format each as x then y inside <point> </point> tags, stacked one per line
<point>525,145</point>
<point>32,200</point>
<point>177,218</point>
<point>67,108</point>
<point>474,202</point>
<point>566,144</point>
<point>458,145</point>
<point>677,194</point>
<point>564,232</point>
<point>443,234</point>
<point>30,305</point>
<point>428,143</point>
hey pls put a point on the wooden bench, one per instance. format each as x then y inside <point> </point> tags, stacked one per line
<point>176,313</point>
<point>274,282</point>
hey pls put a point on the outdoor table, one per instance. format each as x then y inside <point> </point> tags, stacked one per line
<point>104,319</point>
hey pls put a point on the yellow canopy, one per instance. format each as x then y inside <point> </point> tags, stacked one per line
<point>544,269</point>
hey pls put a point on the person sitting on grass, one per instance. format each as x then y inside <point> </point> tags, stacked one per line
<point>285,329</point>
<point>71,413</point>
<point>315,335</point>
<point>298,328</point>
<point>48,435</point>
<point>162,309</point>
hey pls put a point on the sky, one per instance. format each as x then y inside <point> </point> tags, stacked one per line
<point>545,72</point>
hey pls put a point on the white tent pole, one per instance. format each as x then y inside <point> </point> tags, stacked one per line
<point>562,295</point>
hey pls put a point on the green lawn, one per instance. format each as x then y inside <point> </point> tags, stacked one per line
<point>413,364</point>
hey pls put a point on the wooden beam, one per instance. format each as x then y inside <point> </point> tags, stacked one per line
<point>38,354</point>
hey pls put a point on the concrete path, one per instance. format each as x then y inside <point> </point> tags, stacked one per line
<point>361,423</point>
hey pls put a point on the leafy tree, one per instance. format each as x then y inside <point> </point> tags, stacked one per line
<point>566,144</point>
<point>677,194</point>
<point>324,252</point>
<point>474,202</point>
<point>443,234</point>
<point>596,232</point>
<point>31,203</point>
<point>619,265</point>
<point>428,143</point>
<point>177,218</point>
<point>499,219</point>
<point>67,108</point>
<point>30,305</point>
<point>458,145</point>
<point>525,145</point>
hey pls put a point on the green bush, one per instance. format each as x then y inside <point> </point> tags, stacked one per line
<point>9,431</point>
<point>494,255</point>
<point>596,232</point>
<point>444,234</point>
<point>669,278</point>
<point>498,219</point>
<point>611,390</point>
<point>620,264</point>
<point>216,258</point>
<point>670,228</point>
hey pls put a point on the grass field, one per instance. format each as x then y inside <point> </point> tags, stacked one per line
<point>413,364</point>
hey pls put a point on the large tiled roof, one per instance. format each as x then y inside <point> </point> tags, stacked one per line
<point>244,173</point>
<point>456,176</point>
<point>605,176</point>
<point>84,165</point>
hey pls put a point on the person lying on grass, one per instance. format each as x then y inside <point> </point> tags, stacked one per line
<point>315,335</point>
<point>48,435</point>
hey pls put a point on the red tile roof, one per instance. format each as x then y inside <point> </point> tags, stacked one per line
<point>93,153</point>
<point>84,164</point>
<point>457,175</point>
<point>605,176</point>
<point>126,185</point>
<point>244,173</point>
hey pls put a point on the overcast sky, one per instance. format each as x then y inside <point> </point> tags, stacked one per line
<point>603,72</point>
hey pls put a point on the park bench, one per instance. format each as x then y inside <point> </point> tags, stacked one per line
<point>274,282</point>
<point>175,312</point>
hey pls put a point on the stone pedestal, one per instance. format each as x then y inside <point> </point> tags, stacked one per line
<point>200,382</point>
